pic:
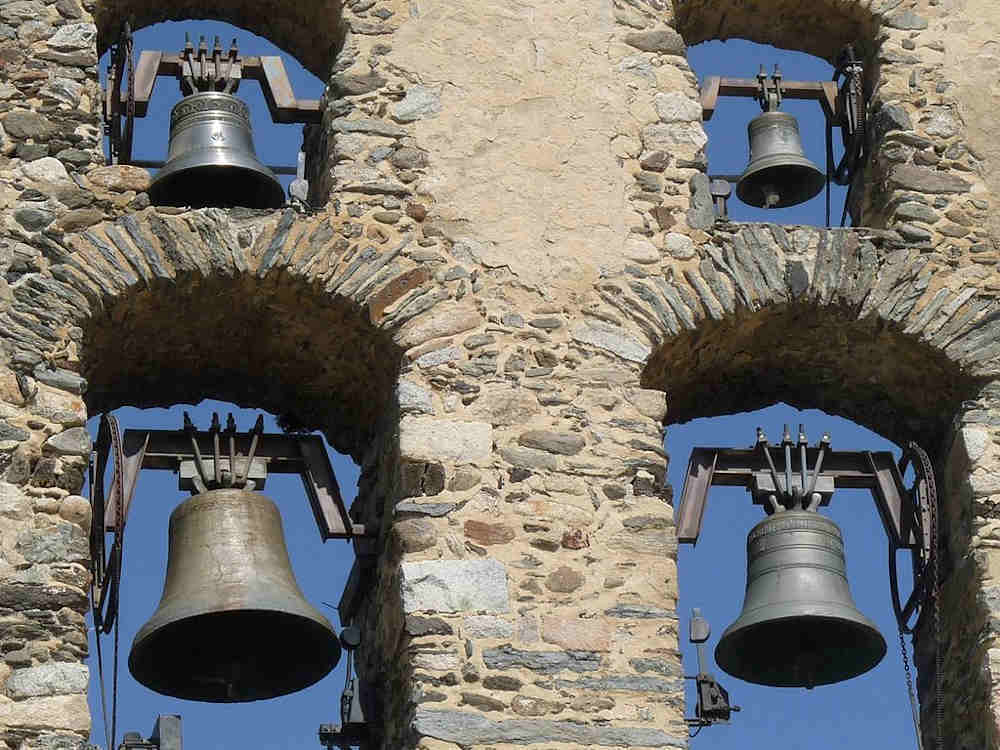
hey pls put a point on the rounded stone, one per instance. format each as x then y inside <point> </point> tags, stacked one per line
<point>641,250</point>
<point>120,178</point>
<point>679,246</point>
<point>676,106</point>
<point>47,169</point>
<point>76,509</point>
<point>564,580</point>
<point>415,534</point>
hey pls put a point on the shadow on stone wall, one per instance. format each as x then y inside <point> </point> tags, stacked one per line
<point>812,356</point>
<point>819,27</point>
<point>275,343</point>
<point>308,29</point>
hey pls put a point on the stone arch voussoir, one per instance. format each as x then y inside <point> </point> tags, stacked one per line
<point>818,27</point>
<point>853,322</point>
<point>276,311</point>
<point>308,29</point>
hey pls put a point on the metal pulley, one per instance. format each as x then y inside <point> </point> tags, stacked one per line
<point>211,159</point>
<point>799,626</point>
<point>779,174</point>
<point>232,624</point>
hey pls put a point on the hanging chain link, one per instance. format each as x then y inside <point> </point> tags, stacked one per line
<point>926,583</point>
<point>925,472</point>
<point>914,707</point>
<point>936,607</point>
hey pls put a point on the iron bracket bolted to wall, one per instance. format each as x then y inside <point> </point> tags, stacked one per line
<point>166,735</point>
<point>712,704</point>
<point>354,729</point>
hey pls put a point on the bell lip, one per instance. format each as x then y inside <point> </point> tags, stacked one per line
<point>862,626</point>
<point>146,677</point>
<point>814,179</point>
<point>169,613</point>
<point>273,195</point>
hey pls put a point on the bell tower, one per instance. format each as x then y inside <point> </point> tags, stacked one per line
<point>507,279</point>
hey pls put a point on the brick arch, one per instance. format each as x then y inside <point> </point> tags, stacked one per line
<point>856,323</point>
<point>308,29</point>
<point>818,27</point>
<point>274,311</point>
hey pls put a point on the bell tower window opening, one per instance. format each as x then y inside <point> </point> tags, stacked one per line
<point>277,145</point>
<point>728,147</point>
<point>321,572</point>
<point>712,578</point>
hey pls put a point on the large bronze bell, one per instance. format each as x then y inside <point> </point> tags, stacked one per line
<point>799,626</point>
<point>211,159</point>
<point>232,624</point>
<point>779,174</point>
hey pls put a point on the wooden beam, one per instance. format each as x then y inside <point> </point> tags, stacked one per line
<point>709,97</point>
<point>145,79</point>
<point>825,92</point>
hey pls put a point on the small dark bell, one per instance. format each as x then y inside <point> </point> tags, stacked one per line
<point>799,626</point>
<point>779,174</point>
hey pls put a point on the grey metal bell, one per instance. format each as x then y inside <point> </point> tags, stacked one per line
<point>232,624</point>
<point>779,174</point>
<point>799,626</point>
<point>211,159</point>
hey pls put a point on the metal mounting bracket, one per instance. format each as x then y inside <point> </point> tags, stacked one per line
<point>269,453</point>
<point>875,471</point>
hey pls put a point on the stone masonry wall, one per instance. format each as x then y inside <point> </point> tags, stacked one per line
<point>512,258</point>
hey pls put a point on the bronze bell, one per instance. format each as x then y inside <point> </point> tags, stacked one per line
<point>232,624</point>
<point>211,159</point>
<point>779,174</point>
<point>799,626</point>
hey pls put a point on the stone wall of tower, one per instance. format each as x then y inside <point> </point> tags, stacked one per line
<point>513,259</point>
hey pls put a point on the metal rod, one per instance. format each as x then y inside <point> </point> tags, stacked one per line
<point>823,443</point>
<point>258,430</point>
<point>231,430</point>
<point>190,430</point>
<point>803,471</point>
<point>214,432</point>
<point>786,442</point>
<point>762,442</point>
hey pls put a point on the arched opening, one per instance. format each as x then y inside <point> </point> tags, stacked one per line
<point>870,371</point>
<point>727,148</point>
<point>713,575</point>
<point>810,355</point>
<point>820,27</point>
<point>279,342</point>
<point>321,570</point>
<point>309,30</point>
<point>277,145</point>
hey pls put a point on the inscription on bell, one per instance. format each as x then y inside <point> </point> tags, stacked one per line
<point>770,535</point>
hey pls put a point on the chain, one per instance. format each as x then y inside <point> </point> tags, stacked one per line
<point>936,610</point>
<point>926,473</point>
<point>909,688</point>
<point>128,133</point>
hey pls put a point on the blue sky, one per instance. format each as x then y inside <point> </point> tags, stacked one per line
<point>872,709</point>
